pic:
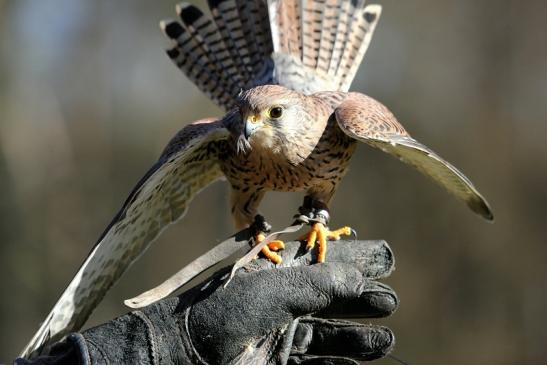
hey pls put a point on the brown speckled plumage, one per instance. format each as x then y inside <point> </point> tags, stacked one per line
<point>306,151</point>
<point>311,48</point>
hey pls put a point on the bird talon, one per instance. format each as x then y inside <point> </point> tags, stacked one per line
<point>320,234</point>
<point>270,255</point>
<point>311,238</point>
<point>269,251</point>
<point>336,234</point>
<point>276,245</point>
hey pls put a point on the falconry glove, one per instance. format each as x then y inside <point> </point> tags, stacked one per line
<point>266,315</point>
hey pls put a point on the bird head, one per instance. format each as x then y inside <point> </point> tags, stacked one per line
<point>270,116</point>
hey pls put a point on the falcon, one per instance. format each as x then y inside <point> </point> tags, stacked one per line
<point>282,70</point>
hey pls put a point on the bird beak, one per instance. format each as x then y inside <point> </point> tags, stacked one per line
<point>251,125</point>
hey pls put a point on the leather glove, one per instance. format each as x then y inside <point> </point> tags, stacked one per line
<point>265,315</point>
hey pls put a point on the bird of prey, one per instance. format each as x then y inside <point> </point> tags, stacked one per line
<point>282,70</point>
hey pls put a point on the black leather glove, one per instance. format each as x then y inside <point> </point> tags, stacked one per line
<point>266,315</point>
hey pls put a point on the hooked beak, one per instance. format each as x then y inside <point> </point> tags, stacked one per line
<point>251,125</point>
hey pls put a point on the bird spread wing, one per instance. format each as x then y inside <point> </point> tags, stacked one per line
<point>366,120</point>
<point>187,165</point>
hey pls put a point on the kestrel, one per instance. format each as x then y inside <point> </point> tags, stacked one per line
<point>282,69</point>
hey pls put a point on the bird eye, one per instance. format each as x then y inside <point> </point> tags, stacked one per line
<point>276,112</point>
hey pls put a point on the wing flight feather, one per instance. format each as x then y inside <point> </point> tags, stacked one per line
<point>367,120</point>
<point>187,165</point>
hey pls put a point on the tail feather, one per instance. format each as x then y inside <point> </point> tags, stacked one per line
<point>209,45</point>
<point>328,29</point>
<point>245,31</point>
<point>346,9</point>
<point>226,16</point>
<point>259,31</point>
<point>350,41</point>
<point>306,45</point>
<point>226,53</point>
<point>256,26</point>
<point>248,13</point>
<point>195,66</point>
<point>311,31</point>
<point>362,29</point>
<point>290,23</point>
<point>334,36</point>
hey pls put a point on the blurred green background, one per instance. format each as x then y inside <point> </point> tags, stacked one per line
<point>88,99</point>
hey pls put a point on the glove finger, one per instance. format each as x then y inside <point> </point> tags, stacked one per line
<point>376,300</point>
<point>318,288</point>
<point>320,360</point>
<point>374,258</point>
<point>321,337</point>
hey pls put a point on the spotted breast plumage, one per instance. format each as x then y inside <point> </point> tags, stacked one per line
<point>283,69</point>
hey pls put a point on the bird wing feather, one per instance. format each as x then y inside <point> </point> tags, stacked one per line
<point>367,120</point>
<point>187,165</point>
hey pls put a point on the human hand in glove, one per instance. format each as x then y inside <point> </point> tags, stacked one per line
<point>266,315</point>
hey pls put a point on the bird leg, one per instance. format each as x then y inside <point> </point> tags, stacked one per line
<point>316,214</point>
<point>260,226</point>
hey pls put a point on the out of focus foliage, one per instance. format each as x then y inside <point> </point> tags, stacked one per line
<point>88,99</point>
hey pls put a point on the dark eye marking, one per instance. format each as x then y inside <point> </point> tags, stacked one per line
<point>276,112</point>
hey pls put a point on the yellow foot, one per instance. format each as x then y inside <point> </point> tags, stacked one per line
<point>320,234</point>
<point>269,251</point>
